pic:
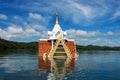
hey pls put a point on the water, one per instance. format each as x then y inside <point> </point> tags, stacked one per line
<point>90,65</point>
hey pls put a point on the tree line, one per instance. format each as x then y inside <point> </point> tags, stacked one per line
<point>5,44</point>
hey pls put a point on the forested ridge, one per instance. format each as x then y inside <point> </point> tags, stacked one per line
<point>5,44</point>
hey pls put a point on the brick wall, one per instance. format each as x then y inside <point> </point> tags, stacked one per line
<point>44,65</point>
<point>44,47</point>
<point>72,48</point>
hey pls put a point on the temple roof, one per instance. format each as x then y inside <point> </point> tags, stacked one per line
<point>57,30</point>
<point>57,26</point>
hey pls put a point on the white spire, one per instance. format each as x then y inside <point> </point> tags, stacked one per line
<point>57,30</point>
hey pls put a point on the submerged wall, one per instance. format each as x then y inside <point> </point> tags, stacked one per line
<point>72,48</point>
<point>45,47</point>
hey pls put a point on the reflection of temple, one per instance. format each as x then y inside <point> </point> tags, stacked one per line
<point>57,68</point>
<point>57,45</point>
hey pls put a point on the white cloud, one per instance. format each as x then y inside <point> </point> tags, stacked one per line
<point>80,11</point>
<point>82,33</point>
<point>98,41</point>
<point>31,32</point>
<point>110,33</point>
<point>36,16</point>
<point>89,34</point>
<point>116,14</point>
<point>35,26</point>
<point>86,14</point>
<point>20,32</point>
<point>83,37</point>
<point>3,17</point>
<point>85,9</point>
<point>14,29</point>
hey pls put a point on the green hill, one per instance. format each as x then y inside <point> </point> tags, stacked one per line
<point>5,44</point>
<point>91,47</point>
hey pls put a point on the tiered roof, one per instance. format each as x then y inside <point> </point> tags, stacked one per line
<point>57,30</point>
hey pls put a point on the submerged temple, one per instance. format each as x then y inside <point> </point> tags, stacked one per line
<point>56,68</point>
<point>58,45</point>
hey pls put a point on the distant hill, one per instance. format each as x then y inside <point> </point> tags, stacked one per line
<point>91,47</point>
<point>5,44</point>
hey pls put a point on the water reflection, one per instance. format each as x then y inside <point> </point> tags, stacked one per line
<point>90,65</point>
<point>56,68</point>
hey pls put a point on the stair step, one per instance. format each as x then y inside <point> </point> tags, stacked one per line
<point>60,48</point>
<point>60,52</point>
<point>60,57</point>
<point>57,54</point>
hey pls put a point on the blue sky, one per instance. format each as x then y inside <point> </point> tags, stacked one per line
<point>95,22</point>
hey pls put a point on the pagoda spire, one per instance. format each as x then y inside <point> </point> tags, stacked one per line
<point>57,17</point>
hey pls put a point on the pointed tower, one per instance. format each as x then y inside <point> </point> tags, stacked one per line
<point>58,45</point>
<point>57,17</point>
<point>57,30</point>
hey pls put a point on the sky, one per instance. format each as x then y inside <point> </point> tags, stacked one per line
<point>88,22</point>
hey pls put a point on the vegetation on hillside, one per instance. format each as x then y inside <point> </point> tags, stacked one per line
<point>91,47</point>
<point>5,44</point>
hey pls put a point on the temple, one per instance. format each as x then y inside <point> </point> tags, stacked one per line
<point>58,45</point>
<point>56,68</point>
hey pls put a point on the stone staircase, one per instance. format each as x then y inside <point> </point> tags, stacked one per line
<point>60,49</point>
<point>60,52</point>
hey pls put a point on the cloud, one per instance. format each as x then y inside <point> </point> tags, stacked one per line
<point>83,37</point>
<point>24,29</point>
<point>35,26</point>
<point>3,17</point>
<point>89,15</point>
<point>89,34</point>
<point>82,33</point>
<point>14,29</point>
<point>116,14</point>
<point>97,41</point>
<point>36,16</point>
<point>20,32</point>
<point>38,27</point>
<point>110,33</point>
<point>85,9</point>
<point>82,12</point>
<point>78,10</point>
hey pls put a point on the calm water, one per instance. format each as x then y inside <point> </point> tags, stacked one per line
<point>90,65</point>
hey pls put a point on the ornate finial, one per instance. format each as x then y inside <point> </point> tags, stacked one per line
<point>57,17</point>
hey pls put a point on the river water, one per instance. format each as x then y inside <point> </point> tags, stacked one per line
<point>90,65</point>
